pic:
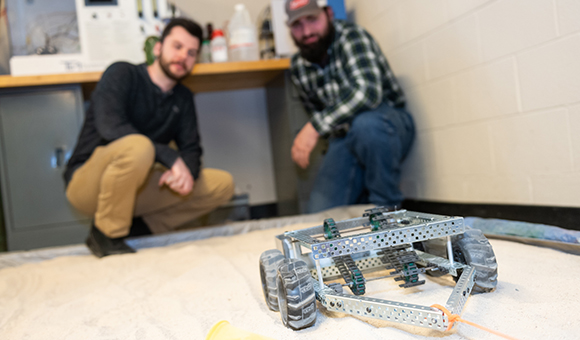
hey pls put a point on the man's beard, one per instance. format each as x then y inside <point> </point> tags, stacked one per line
<point>165,67</point>
<point>317,52</point>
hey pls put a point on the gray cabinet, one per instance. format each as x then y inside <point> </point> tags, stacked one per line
<point>286,117</point>
<point>38,130</point>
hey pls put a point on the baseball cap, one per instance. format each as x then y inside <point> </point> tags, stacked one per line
<point>300,8</point>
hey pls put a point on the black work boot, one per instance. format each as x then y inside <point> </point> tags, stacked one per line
<point>101,245</point>
<point>139,228</point>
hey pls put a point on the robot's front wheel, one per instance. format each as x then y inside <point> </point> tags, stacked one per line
<point>296,297</point>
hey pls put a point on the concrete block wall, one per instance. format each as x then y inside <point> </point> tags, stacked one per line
<point>494,86</point>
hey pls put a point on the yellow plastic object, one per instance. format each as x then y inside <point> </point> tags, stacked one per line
<point>224,331</point>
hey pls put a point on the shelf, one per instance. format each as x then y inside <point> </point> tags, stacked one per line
<point>235,75</point>
<point>204,78</point>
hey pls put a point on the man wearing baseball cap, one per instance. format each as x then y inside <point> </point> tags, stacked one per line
<point>354,100</point>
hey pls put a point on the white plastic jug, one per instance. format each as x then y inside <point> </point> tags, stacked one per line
<point>243,39</point>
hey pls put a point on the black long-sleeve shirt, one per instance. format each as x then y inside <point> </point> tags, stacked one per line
<point>126,102</point>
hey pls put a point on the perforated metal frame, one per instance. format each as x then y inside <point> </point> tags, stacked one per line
<point>405,227</point>
<point>367,264</point>
<point>416,315</point>
<point>461,291</point>
<point>409,227</point>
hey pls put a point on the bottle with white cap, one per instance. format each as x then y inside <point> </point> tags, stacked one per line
<point>243,38</point>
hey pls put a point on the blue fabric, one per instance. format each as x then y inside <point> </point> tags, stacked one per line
<point>338,8</point>
<point>494,226</point>
<point>364,166</point>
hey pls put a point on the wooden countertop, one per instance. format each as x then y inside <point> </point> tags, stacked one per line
<point>204,78</point>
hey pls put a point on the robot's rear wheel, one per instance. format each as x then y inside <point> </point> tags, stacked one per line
<point>471,248</point>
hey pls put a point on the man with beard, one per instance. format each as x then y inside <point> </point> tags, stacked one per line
<point>353,100</point>
<point>123,171</point>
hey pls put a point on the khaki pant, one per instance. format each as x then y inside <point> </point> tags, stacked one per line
<point>120,181</point>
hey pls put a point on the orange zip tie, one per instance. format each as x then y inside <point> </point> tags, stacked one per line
<point>454,317</point>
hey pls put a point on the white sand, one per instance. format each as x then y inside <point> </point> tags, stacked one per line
<point>180,291</point>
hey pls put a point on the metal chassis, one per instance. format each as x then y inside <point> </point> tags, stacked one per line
<point>408,227</point>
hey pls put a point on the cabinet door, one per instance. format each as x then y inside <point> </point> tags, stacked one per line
<point>39,130</point>
<point>286,117</point>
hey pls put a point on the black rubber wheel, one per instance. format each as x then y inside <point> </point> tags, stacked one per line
<point>269,262</point>
<point>471,248</point>
<point>296,297</point>
<point>474,249</point>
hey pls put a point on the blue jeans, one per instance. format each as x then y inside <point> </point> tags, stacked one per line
<point>364,166</point>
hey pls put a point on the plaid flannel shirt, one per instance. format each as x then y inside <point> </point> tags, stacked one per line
<point>357,77</point>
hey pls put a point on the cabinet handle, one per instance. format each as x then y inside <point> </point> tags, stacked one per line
<point>59,153</point>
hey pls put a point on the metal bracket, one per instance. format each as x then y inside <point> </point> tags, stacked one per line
<point>406,313</point>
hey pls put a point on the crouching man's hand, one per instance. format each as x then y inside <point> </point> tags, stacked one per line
<point>178,178</point>
<point>304,143</point>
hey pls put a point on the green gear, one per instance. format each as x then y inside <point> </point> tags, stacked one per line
<point>329,226</point>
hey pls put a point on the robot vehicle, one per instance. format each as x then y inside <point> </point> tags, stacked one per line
<point>405,243</point>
